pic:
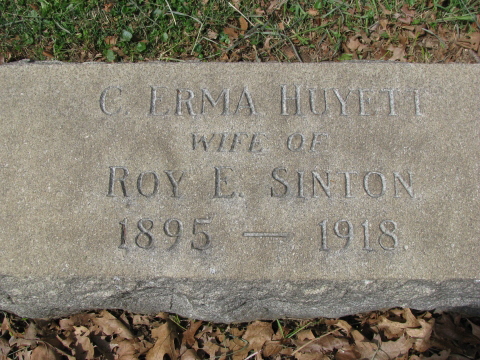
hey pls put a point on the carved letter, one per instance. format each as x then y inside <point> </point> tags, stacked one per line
<point>249,99</point>
<point>300,184</point>
<point>364,100</point>
<point>222,142</point>
<point>121,180</point>
<point>290,139</point>
<point>281,181</point>
<point>237,140</point>
<point>153,100</point>
<point>140,183</point>
<point>348,193</point>
<point>202,140</point>
<point>343,102</point>
<point>366,180</point>
<point>312,101</point>
<point>103,98</point>
<point>219,180</point>
<point>408,187</point>
<point>226,100</point>
<point>187,101</point>
<point>298,111</point>
<point>391,101</point>
<point>255,141</point>
<point>316,140</point>
<point>174,182</point>
<point>325,186</point>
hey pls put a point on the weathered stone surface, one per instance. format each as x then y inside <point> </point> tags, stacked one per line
<point>232,192</point>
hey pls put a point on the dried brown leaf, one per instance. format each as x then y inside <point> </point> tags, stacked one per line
<point>110,325</point>
<point>347,353</point>
<point>421,335</point>
<point>342,324</point>
<point>243,24</point>
<point>4,347</point>
<point>231,32</point>
<point>126,350</point>
<point>141,320</point>
<point>305,335</point>
<point>311,356</point>
<point>398,53</point>
<point>43,352</point>
<point>83,349</point>
<point>272,348</point>
<point>394,349</point>
<point>166,334</point>
<point>189,334</point>
<point>353,43</point>
<point>384,9</point>
<point>366,348</point>
<point>47,54</point>
<point>257,334</point>
<point>324,344</point>
<point>212,34</point>
<point>111,40</point>
<point>190,354</point>
<point>471,41</point>
<point>108,7</point>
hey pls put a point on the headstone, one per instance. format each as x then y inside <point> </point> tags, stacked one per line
<point>232,192</point>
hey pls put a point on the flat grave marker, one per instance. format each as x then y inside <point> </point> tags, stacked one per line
<point>232,192</point>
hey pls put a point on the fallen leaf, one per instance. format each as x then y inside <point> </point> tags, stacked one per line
<point>42,352</point>
<point>342,324</point>
<point>471,41</point>
<point>212,34</point>
<point>189,335</point>
<point>47,54</point>
<point>305,335</point>
<point>243,25</point>
<point>110,325</point>
<point>421,335</point>
<point>311,356</point>
<point>272,348</point>
<point>312,12</point>
<point>366,348</point>
<point>393,349</point>
<point>398,53</point>
<point>166,334</point>
<point>231,32</point>
<point>190,354</point>
<point>323,343</point>
<point>353,43</point>
<point>4,347</point>
<point>83,348</point>
<point>111,40</point>
<point>384,9</point>
<point>108,7</point>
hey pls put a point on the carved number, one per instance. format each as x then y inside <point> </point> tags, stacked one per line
<point>344,229</point>
<point>172,228</point>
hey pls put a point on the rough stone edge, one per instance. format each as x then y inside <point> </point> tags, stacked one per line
<point>231,300</point>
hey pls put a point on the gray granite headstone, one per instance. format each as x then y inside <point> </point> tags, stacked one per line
<point>232,192</point>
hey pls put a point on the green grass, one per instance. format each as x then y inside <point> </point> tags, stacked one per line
<point>137,30</point>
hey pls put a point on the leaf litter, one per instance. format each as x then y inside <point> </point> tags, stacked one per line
<point>120,335</point>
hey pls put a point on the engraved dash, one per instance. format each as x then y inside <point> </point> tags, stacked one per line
<point>266,234</point>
